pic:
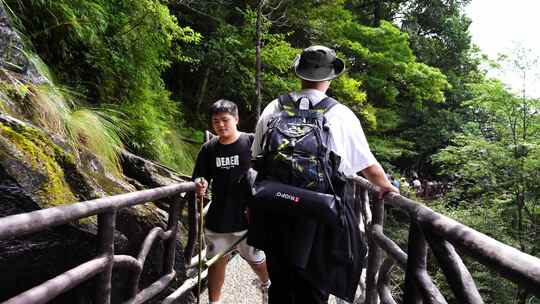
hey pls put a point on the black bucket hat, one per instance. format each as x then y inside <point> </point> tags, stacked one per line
<point>318,63</point>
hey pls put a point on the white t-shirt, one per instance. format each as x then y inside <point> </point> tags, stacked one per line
<point>347,137</point>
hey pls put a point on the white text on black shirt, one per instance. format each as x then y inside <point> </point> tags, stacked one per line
<point>227,162</point>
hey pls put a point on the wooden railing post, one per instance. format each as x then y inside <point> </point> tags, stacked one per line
<point>459,278</point>
<point>383,282</point>
<point>366,210</point>
<point>106,226</point>
<point>172,225</point>
<point>416,253</point>
<point>352,193</point>
<point>374,255</point>
<point>418,285</point>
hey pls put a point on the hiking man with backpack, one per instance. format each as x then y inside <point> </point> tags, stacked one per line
<point>305,144</point>
<point>224,161</point>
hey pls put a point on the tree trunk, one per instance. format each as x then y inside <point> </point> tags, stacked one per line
<point>202,92</point>
<point>520,205</point>
<point>258,85</point>
<point>377,13</point>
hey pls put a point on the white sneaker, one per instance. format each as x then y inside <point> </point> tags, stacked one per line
<point>263,288</point>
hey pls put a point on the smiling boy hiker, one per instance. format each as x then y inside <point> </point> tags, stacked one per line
<point>223,161</point>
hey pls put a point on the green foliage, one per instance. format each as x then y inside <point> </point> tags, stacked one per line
<point>388,150</point>
<point>385,63</point>
<point>395,83</point>
<point>106,47</point>
<point>277,56</point>
<point>384,85</point>
<point>397,86</point>
<point>229,56</point>
<point>438,37</point>
<point>497,155</point>
<point>182,154</point>
<point>439,33</point>
<point>114,52</point>
<point>347,90</point>
<point>380,56</point>
<point>489,218</point>
<point>233,57</point>
<point>494,166</point>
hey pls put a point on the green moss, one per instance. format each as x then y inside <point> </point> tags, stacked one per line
<point>41,155</point>
<point>14,99</point>
<point>7,93</point>
<point>7,89</point>
<point>147,213</point>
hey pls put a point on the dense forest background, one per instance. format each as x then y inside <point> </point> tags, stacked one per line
<point>141,74</point>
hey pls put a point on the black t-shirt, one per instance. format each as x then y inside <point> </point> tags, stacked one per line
<point>224,166</point>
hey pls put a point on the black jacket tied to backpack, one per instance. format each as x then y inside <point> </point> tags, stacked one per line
<point>296,152</point>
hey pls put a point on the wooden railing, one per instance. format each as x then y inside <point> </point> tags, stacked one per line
<point>427,230</point>
<point>102,266</point>
<point>440,234</point>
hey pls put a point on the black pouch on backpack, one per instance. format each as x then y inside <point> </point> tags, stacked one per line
<point>284,199</point>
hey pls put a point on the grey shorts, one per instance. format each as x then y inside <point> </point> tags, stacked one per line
<point>218,242</point>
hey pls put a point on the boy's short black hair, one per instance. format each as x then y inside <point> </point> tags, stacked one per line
<point>224,106</point>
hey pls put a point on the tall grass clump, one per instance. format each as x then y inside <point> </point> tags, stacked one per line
<point>154,124</point>
<point>60,112</point>
<point>184,153</point>
<point>101,131</point>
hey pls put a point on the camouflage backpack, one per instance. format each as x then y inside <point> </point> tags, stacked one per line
<point>295,146</point>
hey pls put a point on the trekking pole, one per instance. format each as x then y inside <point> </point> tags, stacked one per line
<point>200,202</point>
<point>200,237</point>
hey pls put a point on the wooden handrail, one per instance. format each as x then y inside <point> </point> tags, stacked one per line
<point>429,229</point>
<point>101,266</point>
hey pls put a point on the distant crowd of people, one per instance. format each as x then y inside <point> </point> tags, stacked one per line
<point>424,188</point>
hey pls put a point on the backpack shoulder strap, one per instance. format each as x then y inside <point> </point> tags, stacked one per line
<point>325,105</point>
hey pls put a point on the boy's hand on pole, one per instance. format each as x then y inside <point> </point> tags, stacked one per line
<point>200,186</point>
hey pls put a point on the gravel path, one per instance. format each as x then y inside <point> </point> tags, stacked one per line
<point>238,288</point>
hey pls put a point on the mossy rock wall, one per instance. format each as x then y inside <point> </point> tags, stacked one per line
<point>35,163</point>
<point>37,173</point>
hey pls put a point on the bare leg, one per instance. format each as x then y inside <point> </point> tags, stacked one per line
<point>216,277</point>
<point>263,283</point>
<point>260,271</point>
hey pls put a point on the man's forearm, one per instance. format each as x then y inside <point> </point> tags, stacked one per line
<point>375,174</point>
